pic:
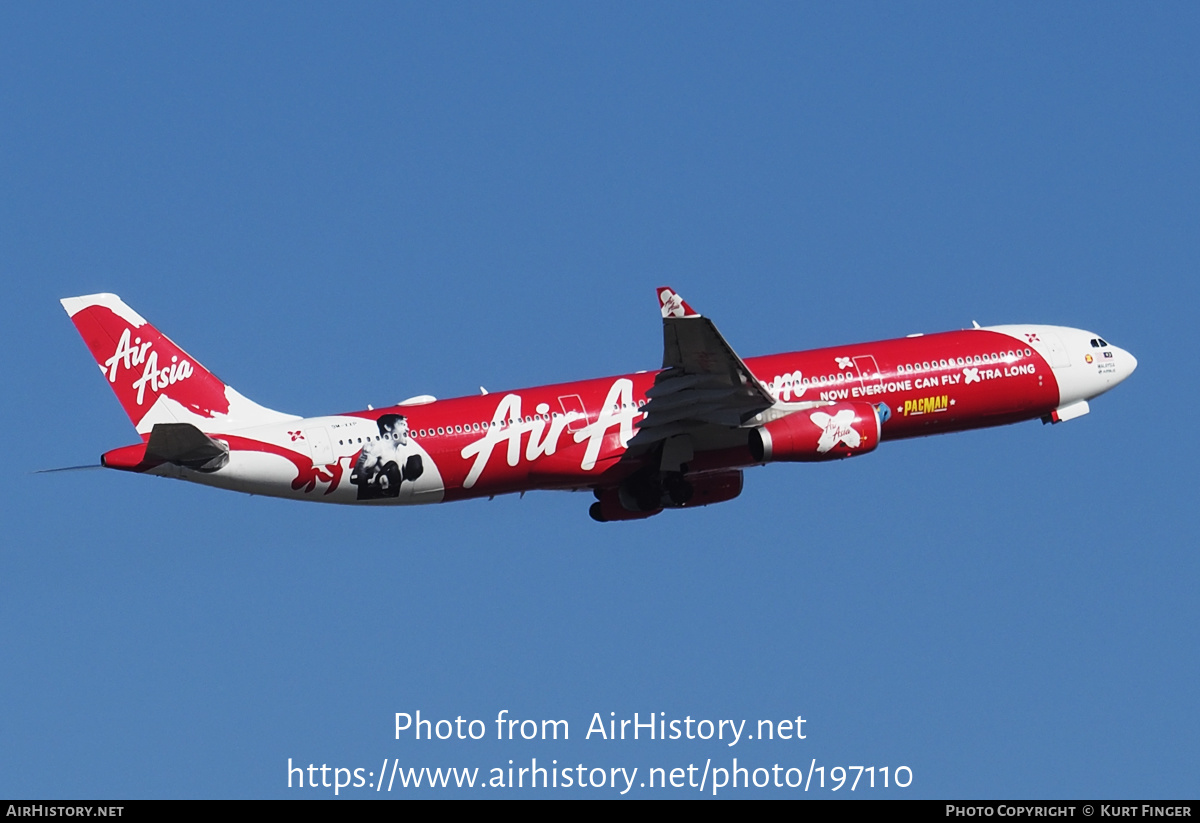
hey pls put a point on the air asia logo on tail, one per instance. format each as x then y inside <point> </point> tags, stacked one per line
<point>155,380</point>
<point>131,354</point>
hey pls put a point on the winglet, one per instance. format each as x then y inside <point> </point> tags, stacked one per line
<point>673,305</point>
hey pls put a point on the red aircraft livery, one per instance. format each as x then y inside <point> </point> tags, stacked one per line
<point>671,439</point>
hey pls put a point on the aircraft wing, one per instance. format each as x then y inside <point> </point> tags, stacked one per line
<point>703,382</point>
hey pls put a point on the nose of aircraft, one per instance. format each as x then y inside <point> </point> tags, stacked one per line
<point>1126,363</point>
<point>1103,367</point>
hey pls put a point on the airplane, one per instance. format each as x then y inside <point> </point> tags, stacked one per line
<point>675,438</point>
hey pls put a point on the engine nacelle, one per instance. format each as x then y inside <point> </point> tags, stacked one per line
<point>648,494</point>
<point>824,433</point>
<point>610,506</point>
<point>713,487</point>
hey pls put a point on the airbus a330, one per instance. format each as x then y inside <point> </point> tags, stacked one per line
<point>675,438</point>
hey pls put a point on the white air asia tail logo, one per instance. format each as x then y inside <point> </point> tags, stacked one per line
<point>838,428</point>
<point>131,353</point>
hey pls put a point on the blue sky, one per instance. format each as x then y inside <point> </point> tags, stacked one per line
<point>337,207</point>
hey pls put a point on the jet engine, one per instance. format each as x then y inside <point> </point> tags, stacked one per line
<point>609,507</point>
<point>824,433</point>
<point>646,495</point>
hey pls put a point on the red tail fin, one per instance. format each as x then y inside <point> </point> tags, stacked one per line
<point>154,379</point>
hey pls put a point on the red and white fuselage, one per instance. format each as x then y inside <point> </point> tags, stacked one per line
<point>644,441</point>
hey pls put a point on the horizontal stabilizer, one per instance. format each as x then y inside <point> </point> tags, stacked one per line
<point>185,445</point>
<point>70,469</point>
